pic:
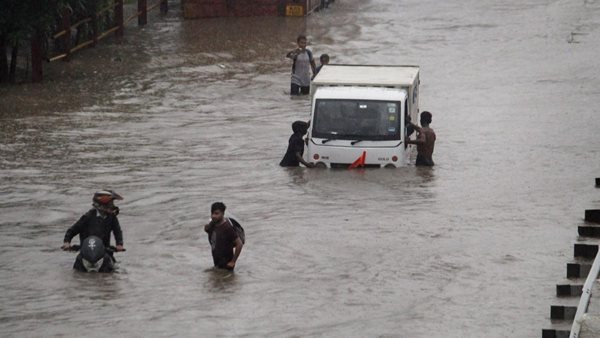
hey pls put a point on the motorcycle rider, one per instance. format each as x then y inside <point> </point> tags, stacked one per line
<point>98,221</point>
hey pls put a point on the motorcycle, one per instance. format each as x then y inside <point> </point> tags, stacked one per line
<point>94,256</point>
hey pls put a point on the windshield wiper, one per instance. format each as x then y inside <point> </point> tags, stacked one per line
<point>355,142</point>
<point>326,140</point>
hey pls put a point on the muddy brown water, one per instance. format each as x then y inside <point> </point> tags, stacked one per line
<point>184,113</point>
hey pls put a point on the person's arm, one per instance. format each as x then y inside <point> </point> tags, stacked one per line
<point>209,227</point>
<point>73,231</point>
<point>301,160</point>
<point>236,252</point>
<point>292,55</point>
<point>298,147</point>
<point>313,66</point>
<point>118,233</point>
<point>415,127</point>
<point>420,139</point>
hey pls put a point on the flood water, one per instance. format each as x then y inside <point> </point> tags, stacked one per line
<point>185,113</point>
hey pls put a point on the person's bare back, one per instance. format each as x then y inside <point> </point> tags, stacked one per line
<point>425,141</point>
<point>425,149</point>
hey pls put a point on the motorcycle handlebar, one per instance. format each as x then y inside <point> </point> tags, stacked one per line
<point>111,249</point>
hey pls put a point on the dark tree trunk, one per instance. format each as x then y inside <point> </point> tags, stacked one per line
<point>36,58</point>
<point>13,62</point>
<point>119,18</point>
<point>66,40</point>
<point>3,60</point>
<point>94,29</point>
<point>143,9</point>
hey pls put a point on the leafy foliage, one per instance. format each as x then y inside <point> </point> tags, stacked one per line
<point>20,20</point>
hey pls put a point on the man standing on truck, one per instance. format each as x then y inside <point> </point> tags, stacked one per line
<point>301,68</point>
<point>425,141</point>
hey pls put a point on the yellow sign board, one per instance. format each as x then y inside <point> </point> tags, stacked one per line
<point>294,10</point>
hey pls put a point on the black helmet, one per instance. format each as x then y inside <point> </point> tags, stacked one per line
<point>92,253</point>
<point>104,201</point>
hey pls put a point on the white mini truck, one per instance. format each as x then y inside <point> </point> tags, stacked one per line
<point>359,113</point>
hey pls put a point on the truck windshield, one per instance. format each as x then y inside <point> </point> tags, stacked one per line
<point>356,120</point>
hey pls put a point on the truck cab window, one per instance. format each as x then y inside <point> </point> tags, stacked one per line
<point>355,119</point>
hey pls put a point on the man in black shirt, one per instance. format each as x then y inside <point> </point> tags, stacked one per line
<point>99,221</point>
<point>225,243</point>
<point>295,150</point>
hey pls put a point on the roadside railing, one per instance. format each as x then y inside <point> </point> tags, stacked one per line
<point>64,37</point>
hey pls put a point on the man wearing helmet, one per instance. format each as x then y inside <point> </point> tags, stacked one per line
<point>99,221</point>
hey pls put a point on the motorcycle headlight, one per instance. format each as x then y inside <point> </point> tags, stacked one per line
<point>92,267</point>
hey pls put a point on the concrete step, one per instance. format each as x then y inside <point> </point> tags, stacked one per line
<point>563,311</point>
<point>589,230</point>
<point>558,329</point>
<point>592,215</point>
<point>585,250</point>
<point>556,333</point>
<point>578,270</point>
<point>569,290</point>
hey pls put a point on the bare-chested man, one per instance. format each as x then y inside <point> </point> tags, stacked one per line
<point>425,141</point>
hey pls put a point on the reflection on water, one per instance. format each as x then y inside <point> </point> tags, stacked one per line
<point>196,112</point>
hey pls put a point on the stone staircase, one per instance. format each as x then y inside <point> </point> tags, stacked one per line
<point>569,292</point>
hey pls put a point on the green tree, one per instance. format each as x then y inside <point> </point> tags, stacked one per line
<point>24,20</point>
<point>20,20</point>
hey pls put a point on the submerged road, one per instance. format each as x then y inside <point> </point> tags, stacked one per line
<point>185,113</point>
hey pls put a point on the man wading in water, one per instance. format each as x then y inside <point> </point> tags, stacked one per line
<point>301,68</point>
<point>225,243</point>
<point>425,141</point>
<point>295,150</point>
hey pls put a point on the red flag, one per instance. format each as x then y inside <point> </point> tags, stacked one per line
<point>360,161</point>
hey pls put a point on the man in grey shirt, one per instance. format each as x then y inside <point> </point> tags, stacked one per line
<point>302,67</point>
